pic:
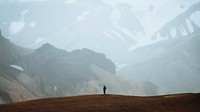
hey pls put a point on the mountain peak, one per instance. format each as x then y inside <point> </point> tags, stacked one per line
<point>46,47</point>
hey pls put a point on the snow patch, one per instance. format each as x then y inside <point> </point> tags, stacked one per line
<point>195,17</point>
<point>146,41</point>
<point>189,25</point>
<point>133,47</point>
<point>173,32</point>
<point>17,67</point>
<point>108,35</point>
<point>129,33</point>
<point>183,31</point>
<point>17,26</point>
<point>118,35</point>
<point>37,41</point>
<point>120,65</point>
<point>114,18</point>
<point>158,35</point>
<point>32,24</point>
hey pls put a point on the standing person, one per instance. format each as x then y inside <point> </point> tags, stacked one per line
<point>104,89</point>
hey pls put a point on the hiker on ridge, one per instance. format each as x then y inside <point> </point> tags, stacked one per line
<point>104,89</point>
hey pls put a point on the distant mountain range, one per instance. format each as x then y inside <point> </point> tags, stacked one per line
<point>114,30</point>
<point>173,62</point>
<point>71,26</point>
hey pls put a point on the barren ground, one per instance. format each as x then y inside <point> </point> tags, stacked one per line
<point>109,103</point>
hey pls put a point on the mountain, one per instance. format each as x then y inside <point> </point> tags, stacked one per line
<point>10,53</point>
<point>61,73</point>
<point>113,28</point>
<point>92,24</point>
<point>109,103</point>
<point>13,81</point>
<point>49,72</point>
<point>85,27</point>
<point>182,25</point>
<point>165,62</point>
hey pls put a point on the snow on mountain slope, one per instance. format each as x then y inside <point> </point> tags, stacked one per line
<point>164,62</point>
<point>111,27</point>
<point>183,25</point>
<point>171,64</point>
<point>92,24</point>
<point>138,53</point>
<point>97,32</point>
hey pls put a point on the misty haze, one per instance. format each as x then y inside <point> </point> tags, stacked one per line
<point>61,48</point>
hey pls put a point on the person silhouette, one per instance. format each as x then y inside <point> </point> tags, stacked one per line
<point>104,89</point>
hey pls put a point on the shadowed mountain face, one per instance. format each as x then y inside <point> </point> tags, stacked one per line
<point>8,53</point>
<point>48,71</point>
<point>15,85</point>
<point>65,70</point>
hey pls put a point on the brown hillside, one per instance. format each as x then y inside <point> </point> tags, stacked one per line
<point>109,103</point>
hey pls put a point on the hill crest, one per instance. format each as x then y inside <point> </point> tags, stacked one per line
<point>109,103</point>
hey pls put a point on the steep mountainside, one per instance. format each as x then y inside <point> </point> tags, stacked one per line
<point>49,72</point>
<point>82,71</point>
<point>9,54</point>
<point>71,26</point>
<point>15,85</point>
<point>171,64</point>
<point>164,62</point>
<point>182,25</point>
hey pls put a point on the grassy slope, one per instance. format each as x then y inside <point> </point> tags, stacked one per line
<point>109,103</point>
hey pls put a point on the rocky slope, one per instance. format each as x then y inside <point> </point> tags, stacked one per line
<point>15,84</point>
<point>49,72</point>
